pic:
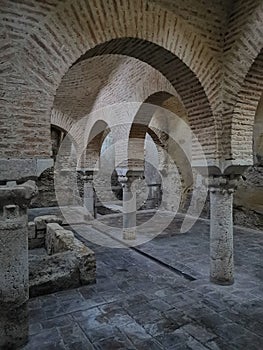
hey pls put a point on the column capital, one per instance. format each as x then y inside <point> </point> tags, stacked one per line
<point>126,181</point>
<point>223,183</point>
<point>87,175</point>
<point>129,176</point>
<point>20,195</point>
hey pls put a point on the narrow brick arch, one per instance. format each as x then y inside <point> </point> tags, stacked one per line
<point>243,119</point>
<point>66,124</point>
<point>241,51</point>
<point>72,28</point>
<point>243,46</point>
<point>97,134</point>
<point>141,125</point>
<point>60,120</point>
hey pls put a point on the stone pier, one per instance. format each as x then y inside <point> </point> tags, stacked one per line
<point>221,229</point>
<point>14,286</point>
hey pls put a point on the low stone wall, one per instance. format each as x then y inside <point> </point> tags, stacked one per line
<point>59,240</point>
<point>57,260</point>
<point>37,230</point>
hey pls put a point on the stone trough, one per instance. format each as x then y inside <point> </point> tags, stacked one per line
<point>57,260</point>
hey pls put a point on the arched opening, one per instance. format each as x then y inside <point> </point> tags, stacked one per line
<point>248,199</point>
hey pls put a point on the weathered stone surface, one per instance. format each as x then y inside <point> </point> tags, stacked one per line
<point>221,230</point>
<point>31,230</point>
<point>40,224</point>
<point>42,221</point>
<point>64,263</point>
<point>58,239</point>
<point>46,189</point>
<point>18,169</point>
<point>48,274</point>
<point>61,240</point>
<point>14,200</point>
<point>248,199</point>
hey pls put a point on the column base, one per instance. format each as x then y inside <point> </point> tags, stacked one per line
<point>13,326</point>
<point>88,217</point>
<point>129,234</point>
<point>221,282</point>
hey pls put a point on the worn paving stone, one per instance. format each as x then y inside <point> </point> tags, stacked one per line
<point>72,333</point>
<point>170,340</point>
<point>118,342</point>
<point>199,333</point>
<point>45,340</point>
<point>34,328</point>
<point>99,333</point>
<point>80,346</point>
<point>59,321</point>
<point>134,332</point>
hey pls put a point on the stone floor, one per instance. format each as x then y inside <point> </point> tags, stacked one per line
<point>157,296</point>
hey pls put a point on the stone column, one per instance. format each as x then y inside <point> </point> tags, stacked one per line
<point>221,229</point>
<point>129,208</point>
<point>89,195</point>
<point>14,279</point>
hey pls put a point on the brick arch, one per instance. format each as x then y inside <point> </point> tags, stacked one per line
<point>61,120</point>
<point>243,43</point>
<point>66,124</point>
<point>85,88</point>
<point>141,125</point>
<point>185,82</point>
<point>241,151</point>
<point>125,19</point>
<point>73,27</point>
<point>97,134</point>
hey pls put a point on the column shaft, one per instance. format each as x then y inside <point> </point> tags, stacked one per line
<point>221,232</point>
<point>89,197</point>
<point>129,212</point>
<point>14,287</point>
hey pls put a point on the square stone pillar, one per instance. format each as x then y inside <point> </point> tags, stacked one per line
<point>221,229</point>
<point>14,284</point>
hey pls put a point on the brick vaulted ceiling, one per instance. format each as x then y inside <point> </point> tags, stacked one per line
<point>204,48</point>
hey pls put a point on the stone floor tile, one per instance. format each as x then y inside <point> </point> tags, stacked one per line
<point>161,327</point>
<point>118,342</point>
<point>150,344</point>
<point>72,333</point>
<point>59,321</point>
<point>80,346</point>
<point>45,340</point>
<point>134,332</point>
<point>35,328</point>
<point>199,333</point>
<point>170,340</point>
<point>99,333</point>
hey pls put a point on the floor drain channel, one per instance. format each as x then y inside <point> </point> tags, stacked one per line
<point>171,268</point>
<point>178,272</point>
